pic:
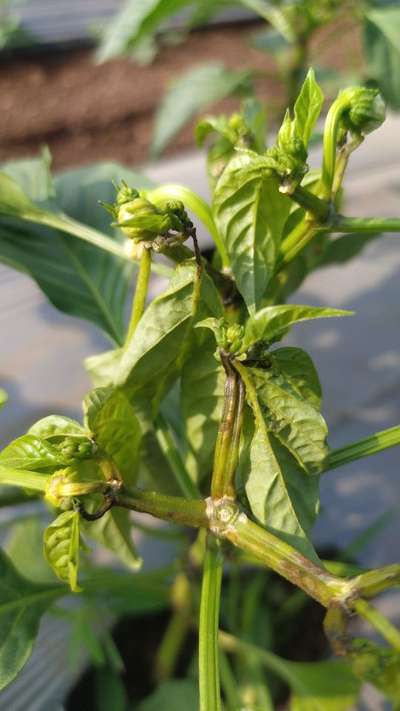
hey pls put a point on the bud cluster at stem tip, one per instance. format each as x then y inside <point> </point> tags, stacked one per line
<point>362,111</point>
<point>156,226</point>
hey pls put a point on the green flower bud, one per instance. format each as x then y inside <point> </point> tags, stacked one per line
<point>142,221</point>
<point>234,337</point>
<point>366,110</point>
<point>125,193</point>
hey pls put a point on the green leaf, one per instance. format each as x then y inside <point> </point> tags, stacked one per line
<point>22,604</point>
<point>25,549</point>
<point>250,213</point>
<point>192,92</point>
<point>202,390</point>
<point>30,452</point>
<point>71,262</point>
<point>323,686</point>
<point>56,427</point>
<point>272,322</point>
<point>291,417</point>
<point>308,107</point>
<point>299,370</point>
<point>376,665</point>
<point>281,496</point>
<point>115,428</point>
<point>151,360</point>
<point>135,23</point>
<point>114,532</point>
<point>33,175</point>
<point>382,49</point>
<point>103,366</point>
<point>176,695</point>
<point>61,547</point>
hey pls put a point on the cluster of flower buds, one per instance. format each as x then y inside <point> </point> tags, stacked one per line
<point>154,226</point>
<point>289,155</point>
<point>362,111</point>
<point>73,449</point>
<point>229,337</point>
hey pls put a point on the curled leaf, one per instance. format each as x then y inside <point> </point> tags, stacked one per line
<point>61,547</point>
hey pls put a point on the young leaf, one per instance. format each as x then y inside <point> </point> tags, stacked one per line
<point>61,547</point>
<point>30,452</point>
<point>308,107</point>
<point>202,391</point>
<point>22,604</point>
<point>192,92</point>
<point>293,420</point>
<point>56,427</point>
<point>250,213</point>
<point>114,532</point>
<point>115,428</point>
<point>272,322</point>
<point>382,48</point>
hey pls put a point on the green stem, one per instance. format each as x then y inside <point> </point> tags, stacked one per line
<point>297,240</point>
<point>366,224</point>
<point>320,209</point>
<point>198,206</point>
<point>174,458</point>
<point>286,561</point>
<point>209,683</point>
<point>168,508</point>
<point>341,163</point>
<point>139,300</point>
<point>330,146</point>
<point>379,622</point>
<point>366,447</point>
<point>221,481</point>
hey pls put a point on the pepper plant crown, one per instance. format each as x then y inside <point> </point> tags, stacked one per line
<point>200,415</point>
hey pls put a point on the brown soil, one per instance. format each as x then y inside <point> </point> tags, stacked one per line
<point>85,112</point>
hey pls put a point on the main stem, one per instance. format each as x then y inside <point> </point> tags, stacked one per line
<point>139,300</point>
<point>209,684</point>
<point>227,443</point>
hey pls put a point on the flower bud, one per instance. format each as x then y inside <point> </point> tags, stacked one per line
<point>142,221</point>
<point>365,111</point>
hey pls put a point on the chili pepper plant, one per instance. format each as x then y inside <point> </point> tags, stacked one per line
<point>199,415</point>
